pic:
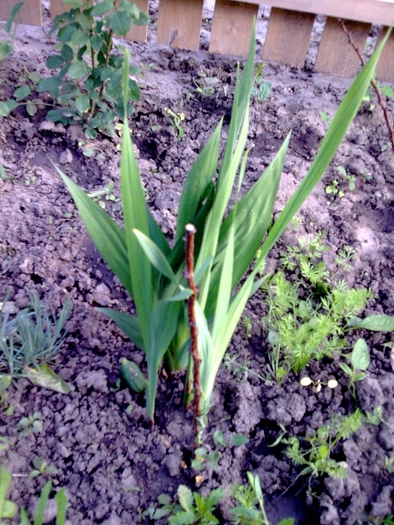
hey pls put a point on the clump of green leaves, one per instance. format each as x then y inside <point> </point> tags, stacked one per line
<point>23,95</point>
<point>226,242</point>
<point>203,456</point>
<point>28,340</point>
<point>87,78</point>
<point>250,509</point>
<point>307,319</point>
<point>336,188</point>
<point>30,424</point>
<point>207,84</point>
<point>314,453</point>
<point>192,509</point>
<point>42,468</point>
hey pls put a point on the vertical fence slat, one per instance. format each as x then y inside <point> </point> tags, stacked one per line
<point>288,37</point>
<point>232,27</point>
<point>179,23</point>
<point>336,56</point>
<point>57,7</point>
<point>385,68</point>
<point>31,12</point>
<point>139,33</point>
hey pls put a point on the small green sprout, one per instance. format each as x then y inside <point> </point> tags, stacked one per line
<point>42,468</point>
<point>30,424</point>
<point>176,120</point>
<point>359,362</point>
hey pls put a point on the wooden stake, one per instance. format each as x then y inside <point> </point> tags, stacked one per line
<point>189,275</point>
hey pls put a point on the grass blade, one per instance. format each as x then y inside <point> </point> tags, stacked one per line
<point>62,504</point>
<point>42,503</point>
<point>24,517</point>
<point>225,287</point>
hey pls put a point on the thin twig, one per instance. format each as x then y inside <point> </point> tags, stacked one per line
<point>189,275</point>
<point>375,85</point>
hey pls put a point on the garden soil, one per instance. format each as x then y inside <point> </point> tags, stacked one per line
<point>111,463</point>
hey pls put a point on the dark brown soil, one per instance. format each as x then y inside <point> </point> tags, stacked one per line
<point>111,463</point>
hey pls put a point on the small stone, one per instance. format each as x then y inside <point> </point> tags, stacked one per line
<point>102,295</point>
<point>383,504</point>
<point>369,394</point>
<point>173,463</point>
<point>66,157</point>
<point>101,511</point>
<point>75,132</point>
<point>92,378</point>
<point>113,520</point>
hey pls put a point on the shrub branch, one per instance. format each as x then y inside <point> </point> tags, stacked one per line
<point>374,84</point>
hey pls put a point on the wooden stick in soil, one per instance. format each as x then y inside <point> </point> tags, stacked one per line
<point>375,85</point>
<point>189,275</point>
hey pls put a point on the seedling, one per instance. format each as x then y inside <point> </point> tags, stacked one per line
<point>315,455</point>
<point>250,497</point>
<point>317,385</point>
<point>241,371</point>
<point>203,456</point>
<point>334,189</point>
<point>388,464</point>
<point>8,509</point>
<point>176,122</point>
<point>206,86</point>
<point>345,256</point>
<point>192,508</point>
<point>30,424</point>
<point>359,362</point>
<point>106,194</point>
<point>22,96</point>
<point>248,326</point>
<point>42,468</point>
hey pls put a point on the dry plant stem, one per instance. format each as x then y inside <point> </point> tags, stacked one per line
<point>189,275</point>
<point>382,103</point>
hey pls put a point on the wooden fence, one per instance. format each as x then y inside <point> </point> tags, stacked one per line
<point>288,34</point>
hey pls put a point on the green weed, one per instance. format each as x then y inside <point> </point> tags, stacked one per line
<point>307,319</point>
<point>359,362</point>
<point>191,509</point>
<point>250,509</point>
<point>42,468</point>
<point>28,340</point>
<point>313,454</point>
